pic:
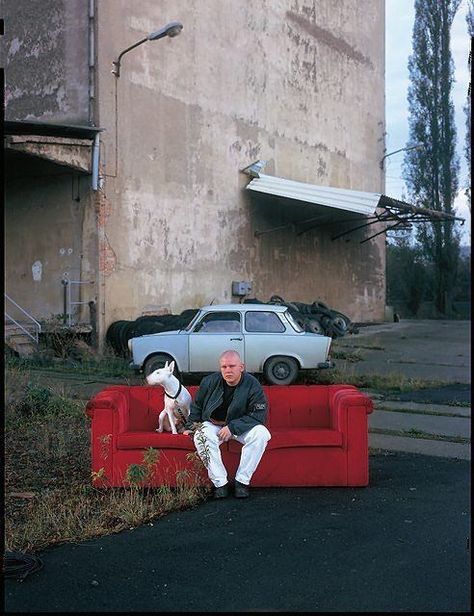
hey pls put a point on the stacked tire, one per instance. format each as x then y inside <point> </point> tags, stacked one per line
<point>317,317</point>
<point>120,332</point>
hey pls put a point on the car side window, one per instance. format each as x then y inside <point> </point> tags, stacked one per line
<point>263,322</point>
<point>219,323</point>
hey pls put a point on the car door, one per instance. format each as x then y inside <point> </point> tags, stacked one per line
<point>265,335</point>
<point>213,334</point>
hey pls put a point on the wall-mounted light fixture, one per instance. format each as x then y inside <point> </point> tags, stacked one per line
<point>417,146</point>
<point>172,29</point>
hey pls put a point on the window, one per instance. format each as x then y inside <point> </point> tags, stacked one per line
<point>296,326</point>
<point>219,323</point>
<point>263,322</point>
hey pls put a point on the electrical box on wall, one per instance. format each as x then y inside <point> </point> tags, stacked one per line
<point>241,288</point>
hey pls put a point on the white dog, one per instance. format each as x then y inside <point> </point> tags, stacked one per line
<point>177,398</point>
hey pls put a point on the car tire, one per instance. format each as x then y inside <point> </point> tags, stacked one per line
<point>280,370</point>
<point>158,361</point>
<point>315,327</point>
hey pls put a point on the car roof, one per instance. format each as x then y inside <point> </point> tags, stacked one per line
<point>241,307</point>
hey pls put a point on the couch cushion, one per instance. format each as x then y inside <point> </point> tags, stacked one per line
<point>301,437</point>
<point>157,440</point>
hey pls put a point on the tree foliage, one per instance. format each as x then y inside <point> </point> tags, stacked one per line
<point>431,173</point>
<point>410,281</point>
<point>467,108</point>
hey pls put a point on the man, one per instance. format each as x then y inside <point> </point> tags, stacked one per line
<point>230,404</point>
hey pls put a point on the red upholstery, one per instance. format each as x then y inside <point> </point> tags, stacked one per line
<point>319,437</point>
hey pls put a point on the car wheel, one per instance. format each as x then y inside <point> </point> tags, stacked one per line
<point>280,370</point>
<point>158,361</point>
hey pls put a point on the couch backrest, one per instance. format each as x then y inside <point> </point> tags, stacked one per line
<point>297,406</point>
<point>146,403</point>
<point>290,406</point>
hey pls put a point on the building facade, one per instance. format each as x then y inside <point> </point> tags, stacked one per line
<point>166,221</point>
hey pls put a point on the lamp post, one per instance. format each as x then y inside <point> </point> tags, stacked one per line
<point>417,146</point>
<point>172,29</point>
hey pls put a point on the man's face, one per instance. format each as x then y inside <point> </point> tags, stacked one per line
<point>231,368</point>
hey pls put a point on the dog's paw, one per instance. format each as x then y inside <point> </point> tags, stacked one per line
<point>159,430</point>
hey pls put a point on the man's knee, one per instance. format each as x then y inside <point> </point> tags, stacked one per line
<point>205,432</point>
<point>259,434</point>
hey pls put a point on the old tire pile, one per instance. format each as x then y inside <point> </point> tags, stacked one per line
<point>317,317</point>
<point>119,332</point>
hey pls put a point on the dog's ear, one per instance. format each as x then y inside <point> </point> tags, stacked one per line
<point>166,365</point>
<point>171,367</point>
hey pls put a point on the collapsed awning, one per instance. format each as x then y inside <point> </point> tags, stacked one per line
<point>63,144</point>
<point>309,206</point>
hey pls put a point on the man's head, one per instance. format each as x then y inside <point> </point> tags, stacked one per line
<point>231,367</point>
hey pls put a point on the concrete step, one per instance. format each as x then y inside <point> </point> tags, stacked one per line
<point>417,407</point>
<point>21,344</point>
<point>430,424</point>
<point>12,328</point>
<point>428,447</point>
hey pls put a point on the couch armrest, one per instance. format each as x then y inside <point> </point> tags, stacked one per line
<point>108,411</point>
<point>348,412</point>
<point>347,401</point>
<point>115,399</point>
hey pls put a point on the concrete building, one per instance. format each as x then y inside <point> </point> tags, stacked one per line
<point>132,185</point>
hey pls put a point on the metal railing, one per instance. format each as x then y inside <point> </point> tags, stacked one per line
<point>36,326</point>
<point>68,297</point>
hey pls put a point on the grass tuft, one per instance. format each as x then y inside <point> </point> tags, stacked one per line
<point>49,493</point>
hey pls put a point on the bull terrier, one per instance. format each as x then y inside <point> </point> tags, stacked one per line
<point>177,398</point>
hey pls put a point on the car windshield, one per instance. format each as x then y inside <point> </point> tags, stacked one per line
<point>293,322</point>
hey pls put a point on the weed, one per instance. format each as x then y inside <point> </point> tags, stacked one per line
<point>50,496</point>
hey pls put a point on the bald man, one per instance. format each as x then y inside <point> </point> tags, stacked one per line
<point>230,404</point>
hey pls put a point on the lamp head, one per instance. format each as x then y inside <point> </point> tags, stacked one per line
<point>172,29</point>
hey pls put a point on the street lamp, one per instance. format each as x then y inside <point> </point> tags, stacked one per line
<point>417,146</point>
<point>172,29</point>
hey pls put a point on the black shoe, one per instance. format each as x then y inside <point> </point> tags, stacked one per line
<point>222,491</point>
<point>241,490</point>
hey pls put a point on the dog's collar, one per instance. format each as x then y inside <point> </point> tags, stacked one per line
<point>174,397</point>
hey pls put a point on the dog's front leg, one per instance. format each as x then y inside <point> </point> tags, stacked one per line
<point>161,419</point>
<point>172,422</point>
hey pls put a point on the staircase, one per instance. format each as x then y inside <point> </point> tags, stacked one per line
<point>21,335</point>
<point>22,343</point>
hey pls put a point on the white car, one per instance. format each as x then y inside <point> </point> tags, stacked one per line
<point>267,337</point>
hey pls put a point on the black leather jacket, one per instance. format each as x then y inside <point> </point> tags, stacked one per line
<point>247,409</point>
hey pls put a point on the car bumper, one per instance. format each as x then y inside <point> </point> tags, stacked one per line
<point>325,364</point>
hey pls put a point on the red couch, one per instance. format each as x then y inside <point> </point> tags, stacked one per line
<point>319,437</point>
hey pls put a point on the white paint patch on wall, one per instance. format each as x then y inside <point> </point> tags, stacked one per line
<point>37,271</point>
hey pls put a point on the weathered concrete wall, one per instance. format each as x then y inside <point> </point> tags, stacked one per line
<point>49,224</point>
<point>46,56</point>
<point>299,83</point>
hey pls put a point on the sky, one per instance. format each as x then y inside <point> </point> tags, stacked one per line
<point>399,17</point>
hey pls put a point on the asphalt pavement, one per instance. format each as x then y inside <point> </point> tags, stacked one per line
<point>400,545</point>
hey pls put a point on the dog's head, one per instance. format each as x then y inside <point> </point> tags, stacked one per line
<point>161,375</point>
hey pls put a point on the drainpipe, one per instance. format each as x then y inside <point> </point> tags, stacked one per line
<point>95,162</point>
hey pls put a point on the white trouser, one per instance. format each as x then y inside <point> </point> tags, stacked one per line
<point>254,442</point>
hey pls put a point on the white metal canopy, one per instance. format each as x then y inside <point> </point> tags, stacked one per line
<point>339,198</point>
<point>336,204</point>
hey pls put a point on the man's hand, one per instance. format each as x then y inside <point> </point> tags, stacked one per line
<point>224,434</point>
<point>190,432</point>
